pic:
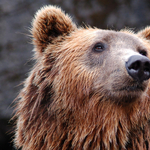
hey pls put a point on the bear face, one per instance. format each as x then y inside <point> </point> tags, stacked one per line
<point>110,61</point>
<point>88,89</point>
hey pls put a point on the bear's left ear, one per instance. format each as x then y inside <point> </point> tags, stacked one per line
<point>145,33</point>
<point>49,23</point>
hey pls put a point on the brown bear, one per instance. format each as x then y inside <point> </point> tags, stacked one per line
<point>88,89</point>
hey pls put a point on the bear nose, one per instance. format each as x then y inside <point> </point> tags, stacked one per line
<point>138,67</point>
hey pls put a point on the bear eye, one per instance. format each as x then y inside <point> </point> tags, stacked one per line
<point>99,47</point>
<point>143,52</point>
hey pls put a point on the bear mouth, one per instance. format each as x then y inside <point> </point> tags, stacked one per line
<point>132,88</point>
<point>127,92</point>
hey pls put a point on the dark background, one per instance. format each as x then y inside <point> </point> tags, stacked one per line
<point>16,48</point>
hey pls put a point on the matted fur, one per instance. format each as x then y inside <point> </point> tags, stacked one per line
<point>58,108</point>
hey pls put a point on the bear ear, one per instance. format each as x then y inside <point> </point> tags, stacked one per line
<point>145,33</point>
<point>49,23</point>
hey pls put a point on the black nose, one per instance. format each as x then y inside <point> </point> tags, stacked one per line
<point>138,67</point>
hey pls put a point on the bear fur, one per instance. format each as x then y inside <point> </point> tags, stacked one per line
<point>79,96</point>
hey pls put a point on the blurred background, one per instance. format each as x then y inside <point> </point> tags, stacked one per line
<point>16,47</point>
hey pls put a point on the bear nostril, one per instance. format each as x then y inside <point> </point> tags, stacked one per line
<point>138,67</point>
<point>135,65</point>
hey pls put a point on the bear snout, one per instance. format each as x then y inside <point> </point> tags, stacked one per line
<point>138,67</point>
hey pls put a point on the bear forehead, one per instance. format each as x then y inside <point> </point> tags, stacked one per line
<point>124,39</point>
<point>119,37</point>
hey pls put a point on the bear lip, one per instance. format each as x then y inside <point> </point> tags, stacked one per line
<point>135,87</point>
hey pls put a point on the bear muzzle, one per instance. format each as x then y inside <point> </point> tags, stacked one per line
<point>138,67</point>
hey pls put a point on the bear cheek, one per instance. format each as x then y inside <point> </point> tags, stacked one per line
<point>109,75</point>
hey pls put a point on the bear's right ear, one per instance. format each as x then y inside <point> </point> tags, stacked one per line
<point>145,33</point>
<point>49,23</point>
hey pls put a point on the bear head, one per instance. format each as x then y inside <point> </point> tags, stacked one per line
<point>91,61</point>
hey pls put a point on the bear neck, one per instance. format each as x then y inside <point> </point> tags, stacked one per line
<point>106,123</point>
